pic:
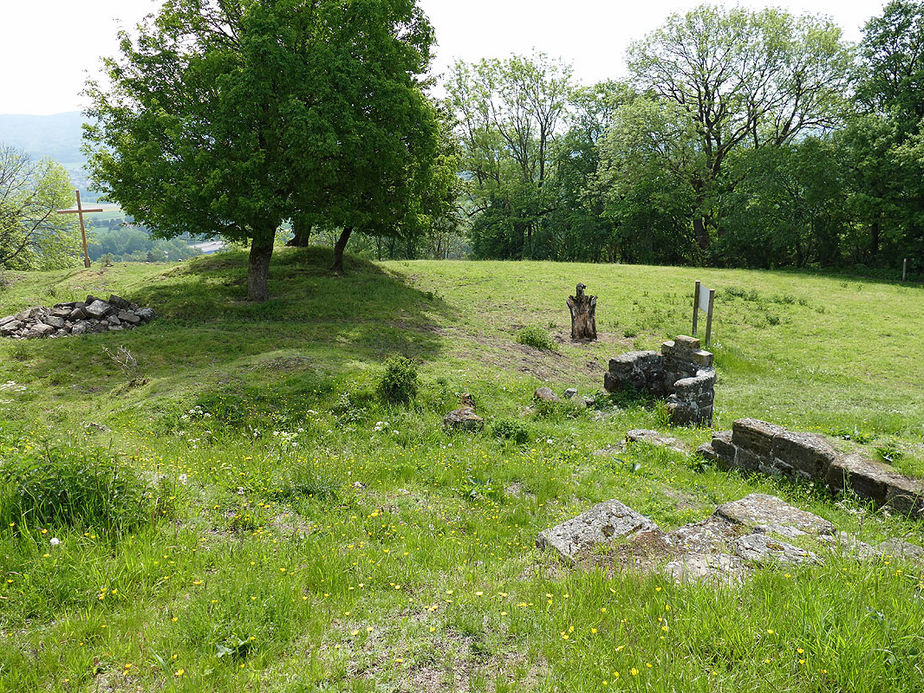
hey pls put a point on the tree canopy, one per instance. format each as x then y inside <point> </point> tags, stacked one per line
<point>228,117</point>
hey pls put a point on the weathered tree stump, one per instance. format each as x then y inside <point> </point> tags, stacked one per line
<point>583,315</point>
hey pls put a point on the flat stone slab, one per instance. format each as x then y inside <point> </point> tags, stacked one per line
<point>765,513</point>
<point>713,535</point>
<point>644,435</point>
<point>762,549</point>
<point>602,524</point>
<point>721,568</point>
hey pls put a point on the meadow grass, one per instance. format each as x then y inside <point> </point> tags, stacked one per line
<point>310,536</point>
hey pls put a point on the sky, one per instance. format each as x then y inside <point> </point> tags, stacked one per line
<point>49,47</point>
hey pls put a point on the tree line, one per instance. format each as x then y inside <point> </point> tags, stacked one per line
<point>740,138</point>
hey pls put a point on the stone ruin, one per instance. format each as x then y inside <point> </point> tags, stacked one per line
<point>740,536</point>
<point>77,317</point>
<point>682,373</point>
<point>758,446</point>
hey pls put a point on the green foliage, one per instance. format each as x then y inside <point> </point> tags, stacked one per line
<point>535,336</point>
<point>511,429</point>
<point>309,106</point>
<point>72,487</point>
<point>32,236</point>
<point>399,381</point>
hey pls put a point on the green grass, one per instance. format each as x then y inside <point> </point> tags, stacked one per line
<point>318,538</point>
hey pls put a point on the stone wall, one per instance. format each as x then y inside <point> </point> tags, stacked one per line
<point>682,373</point>
<point>757,446</point>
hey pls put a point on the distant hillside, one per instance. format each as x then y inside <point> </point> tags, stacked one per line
<point>56,136</point>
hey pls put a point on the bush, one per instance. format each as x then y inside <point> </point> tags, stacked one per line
<point>399,381</point>
<point>71,487</point>
<point>510,429</point>
<point>535,336</point>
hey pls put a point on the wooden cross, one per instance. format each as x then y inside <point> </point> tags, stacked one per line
<point>80,211</point>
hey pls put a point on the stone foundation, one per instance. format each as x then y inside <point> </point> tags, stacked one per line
<point>681,373</point>
<point>758,446</point>
<point>738,538</point>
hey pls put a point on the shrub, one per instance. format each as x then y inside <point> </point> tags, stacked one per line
<point>399,381</point>
<point>535,336</point>
<point>72,487</point>
<point>510,429</point>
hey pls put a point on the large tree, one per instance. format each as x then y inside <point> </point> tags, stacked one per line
<point>227,117</point>
<point>32,236</point>
<point>745,79</point>
<point>509,113</point>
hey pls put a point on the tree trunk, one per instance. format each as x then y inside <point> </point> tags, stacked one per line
<point>700,233</point>
<point>583,315</point>
<point>261,250</point>
<point>339,246</point>
<point>302,233</point>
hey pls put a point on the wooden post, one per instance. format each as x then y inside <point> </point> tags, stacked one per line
<point>695,308</point>
<point>583,315</point>
<point>79,211</point>
<point>709,316</point>
<point>904,269</point>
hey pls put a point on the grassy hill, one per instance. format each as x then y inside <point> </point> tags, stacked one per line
<point>307,536</point>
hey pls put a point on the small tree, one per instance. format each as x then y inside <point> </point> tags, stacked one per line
<point>32,236</point>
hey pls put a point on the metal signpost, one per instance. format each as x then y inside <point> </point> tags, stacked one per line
<point>80,211</point>
<point>703,300</point>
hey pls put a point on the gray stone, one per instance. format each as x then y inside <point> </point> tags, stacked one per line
<point>79,313</point>
<point>755,435</point>
<point>8,319</point>
<point>79,328</point>
<point>54,322</point>
<point>129,317</point>
<point>721,568</point>
<point>806,453</point>
<point>602,524</point>
<point>681,372</point>
<point>118,302</point>
<point>570,392</point>
<point>61,311</point>
<point>145,314</point>
<point>10,327</point>
<point>874,480</point>
<point>765,513</point>
<point>463,419</point>
<point>41,330</point>
<point>98,309</point>
<point>901,549</point>
<point>545,394</point>
<point>644,435</point>
<point>712,535</point>
<point>760,548</point>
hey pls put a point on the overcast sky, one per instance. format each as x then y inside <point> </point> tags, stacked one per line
<point>47,47</point>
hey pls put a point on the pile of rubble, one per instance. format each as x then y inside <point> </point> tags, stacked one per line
<point>76,317</point>
<point>741,535</point>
